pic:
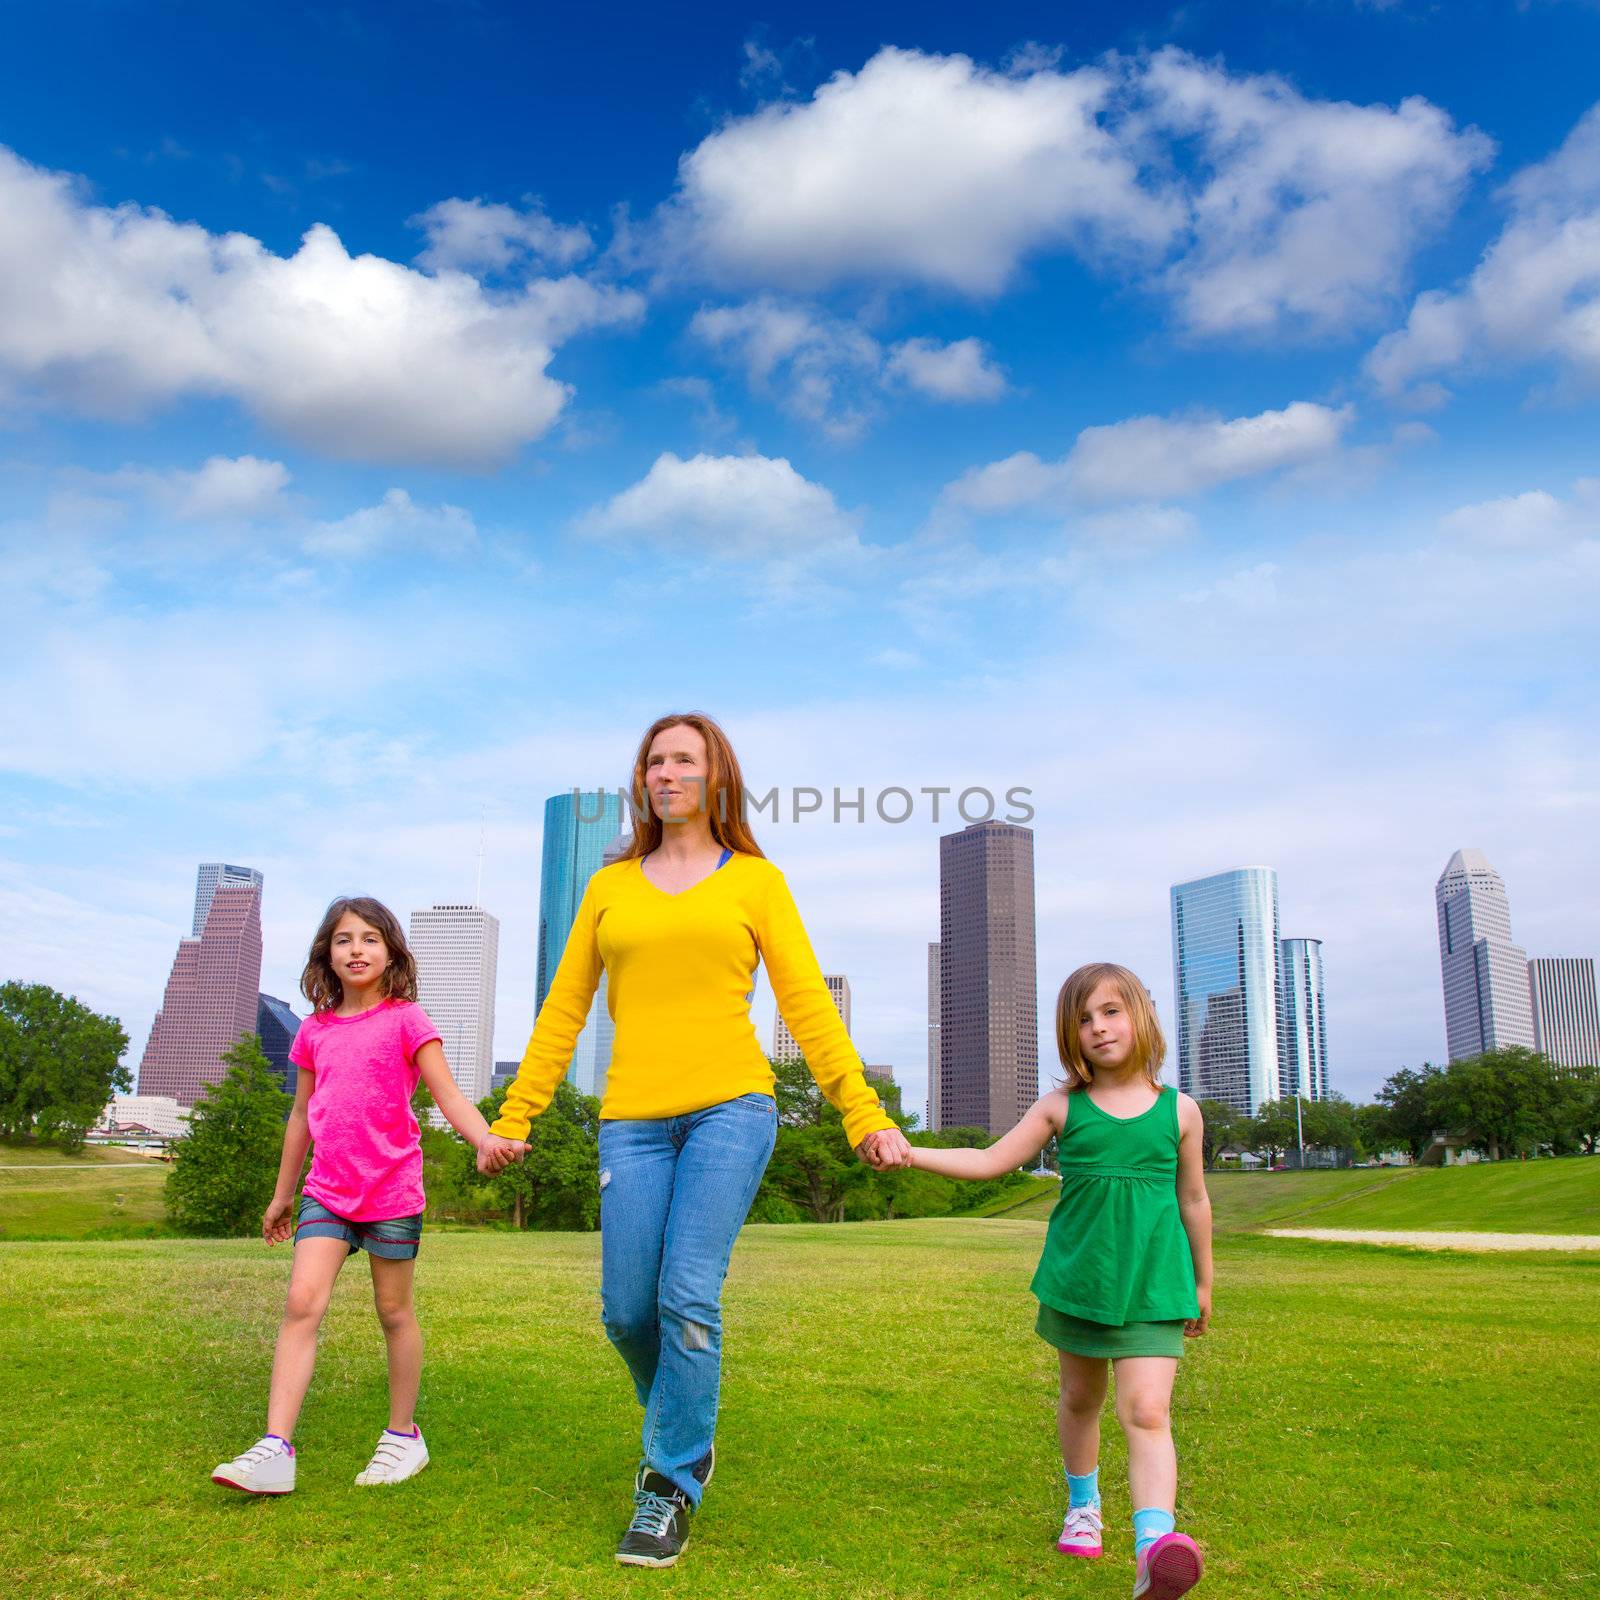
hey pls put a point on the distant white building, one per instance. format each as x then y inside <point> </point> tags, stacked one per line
<point>457,948</point>
<point>784,1045</point>
<point>212,876</point>
<point>160,1114</point>
<point>1486,1004</point>
<point>1566,1012</point>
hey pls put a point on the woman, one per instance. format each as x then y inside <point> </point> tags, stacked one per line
<point>688,1121</point>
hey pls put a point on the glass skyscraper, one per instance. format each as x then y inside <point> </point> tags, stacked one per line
<point>1303,1039</point>
<point>1486,1001</point>
<point>1225,969</point>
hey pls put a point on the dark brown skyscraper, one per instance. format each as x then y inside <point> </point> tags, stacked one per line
<point>988,978</point>
<point>210,1000</point>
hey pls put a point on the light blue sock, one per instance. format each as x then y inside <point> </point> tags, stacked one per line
<point>1083,1489</point>
<point>1148,1526</point>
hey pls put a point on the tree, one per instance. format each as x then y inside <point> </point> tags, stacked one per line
<point>557,1186</point>
<point>1374,1130</point>
<point>1504,1102</point>
<point>1223,1126</point>
<point>227,1167</point>
<point>1272,1130</point>
<point>1328,1124</point>
<point>59,1064</point>
<point>1407,1097</point>
<point>1579,1108</point>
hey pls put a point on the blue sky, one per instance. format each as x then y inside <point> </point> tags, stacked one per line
<point>1188,414</point>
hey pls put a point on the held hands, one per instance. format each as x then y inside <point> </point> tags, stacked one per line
<point>887,1150</point>
<point>496,1154</point>
<point>277,1223</point>
<point>1196,1326</point>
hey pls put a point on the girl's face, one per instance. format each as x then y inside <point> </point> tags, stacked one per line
<point>357,953</point>
<point>1105,1030</point>
<point>676,773</point>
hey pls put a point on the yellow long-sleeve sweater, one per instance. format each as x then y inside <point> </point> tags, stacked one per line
<point>679,976</point>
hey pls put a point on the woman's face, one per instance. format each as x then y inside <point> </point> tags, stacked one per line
<point>677,772</point>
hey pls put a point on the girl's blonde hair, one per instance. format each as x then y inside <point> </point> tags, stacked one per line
<point>1149,1046</point>
<point>723,799</point>
<point>319,983</point>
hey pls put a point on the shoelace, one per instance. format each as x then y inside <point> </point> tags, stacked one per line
<point>1081,1519</point>
<point>652,1513</point>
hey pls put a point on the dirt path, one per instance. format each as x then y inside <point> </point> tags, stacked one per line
<point>1444,1241</point>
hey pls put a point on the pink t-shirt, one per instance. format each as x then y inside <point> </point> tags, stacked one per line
<point>366,1149</point>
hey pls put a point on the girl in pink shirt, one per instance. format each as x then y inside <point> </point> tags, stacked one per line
<point>360,1056</point>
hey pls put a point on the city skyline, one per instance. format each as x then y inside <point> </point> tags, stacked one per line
<point>1484,971</point>
<point>457,950</point>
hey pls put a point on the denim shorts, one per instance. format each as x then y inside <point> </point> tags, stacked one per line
<point>396,1239</point>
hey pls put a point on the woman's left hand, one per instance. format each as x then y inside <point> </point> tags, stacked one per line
<point>887,1150</point>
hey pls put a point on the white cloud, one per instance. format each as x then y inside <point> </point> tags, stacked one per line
<point>478,236</point>
<point>1137,529</point>
<point>917,168</point>
<point>1145,458</point>
<point>396,522</point>
<point>221,489</point>
<point>1254,207</point>
<point>955,372</point>
<point>725,506</point>
<point>1535,295</point>
<point>117,312</point>
<point>1529,521</point>
<point>1304,214</point>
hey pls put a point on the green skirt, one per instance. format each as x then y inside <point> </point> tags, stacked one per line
<point>1108,1340</point>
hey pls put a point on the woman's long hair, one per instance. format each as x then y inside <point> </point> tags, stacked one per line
<point>1149,1046</point>
<point>319,983</point>
<point>724,796</point>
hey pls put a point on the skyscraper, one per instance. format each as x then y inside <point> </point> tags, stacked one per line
<point>591,1056</point>
<point>457,948</point>
<point>933,1038</point>
<point>784,1045</point>
<point>208,878</point>
<point>577,829</point>
<point>276,1026</point>
<point>1566,1012</point>
<point>988,977</point>
<point>211,996</point>
<point>1303,1036</point>
<point>1225,973</point>
<point>1486,1003</point>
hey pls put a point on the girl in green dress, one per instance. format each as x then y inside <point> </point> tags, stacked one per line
<point>1126,1272</point>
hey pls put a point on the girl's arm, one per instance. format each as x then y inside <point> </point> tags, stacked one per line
<point>1194,1206</point>
<point>1042,1120</point>
<point>277,1224</point>
<point>458,1111</point>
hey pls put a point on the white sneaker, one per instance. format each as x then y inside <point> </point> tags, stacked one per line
<point>396,1459</point>
<point>1080,1533</point>
<point>265,1468</point>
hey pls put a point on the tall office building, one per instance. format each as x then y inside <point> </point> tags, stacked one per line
<point>988,977</point>
<point>1566,1012</point>
<point>211,996</point>
<point>1303,1034</point>
<point>1225,973</point>
<point>591,1056</point>
<point>1486,1004</point>
<point>276,1026</point>
<point>577,829</point>
<point>784,1047</point>
<point>457,948</point>
<point>209,878</point>
<point>933,1038</point>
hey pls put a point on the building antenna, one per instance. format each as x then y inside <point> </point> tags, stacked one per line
<point>477,898</point>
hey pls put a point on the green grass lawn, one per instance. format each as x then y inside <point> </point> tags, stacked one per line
<point>99,1193</point>
<point>1359,1423</point>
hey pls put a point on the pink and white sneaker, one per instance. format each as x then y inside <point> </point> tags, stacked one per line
<point>1170,1567</point>
<point>1080,1533</point>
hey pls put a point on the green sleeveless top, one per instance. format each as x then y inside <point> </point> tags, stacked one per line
<point>1115,1250</point>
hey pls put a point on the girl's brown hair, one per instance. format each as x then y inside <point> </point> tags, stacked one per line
<point>1149,1046</point>
<point>723,799</point>
<point>319,983</point>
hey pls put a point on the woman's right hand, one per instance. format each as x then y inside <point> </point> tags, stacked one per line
<point>277,1224</point>
<point>496,1154</point>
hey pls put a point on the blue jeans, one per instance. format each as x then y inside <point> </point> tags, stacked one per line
<point>674,1192</point>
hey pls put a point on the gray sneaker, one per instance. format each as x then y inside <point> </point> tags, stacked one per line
<point>660,1528</point>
